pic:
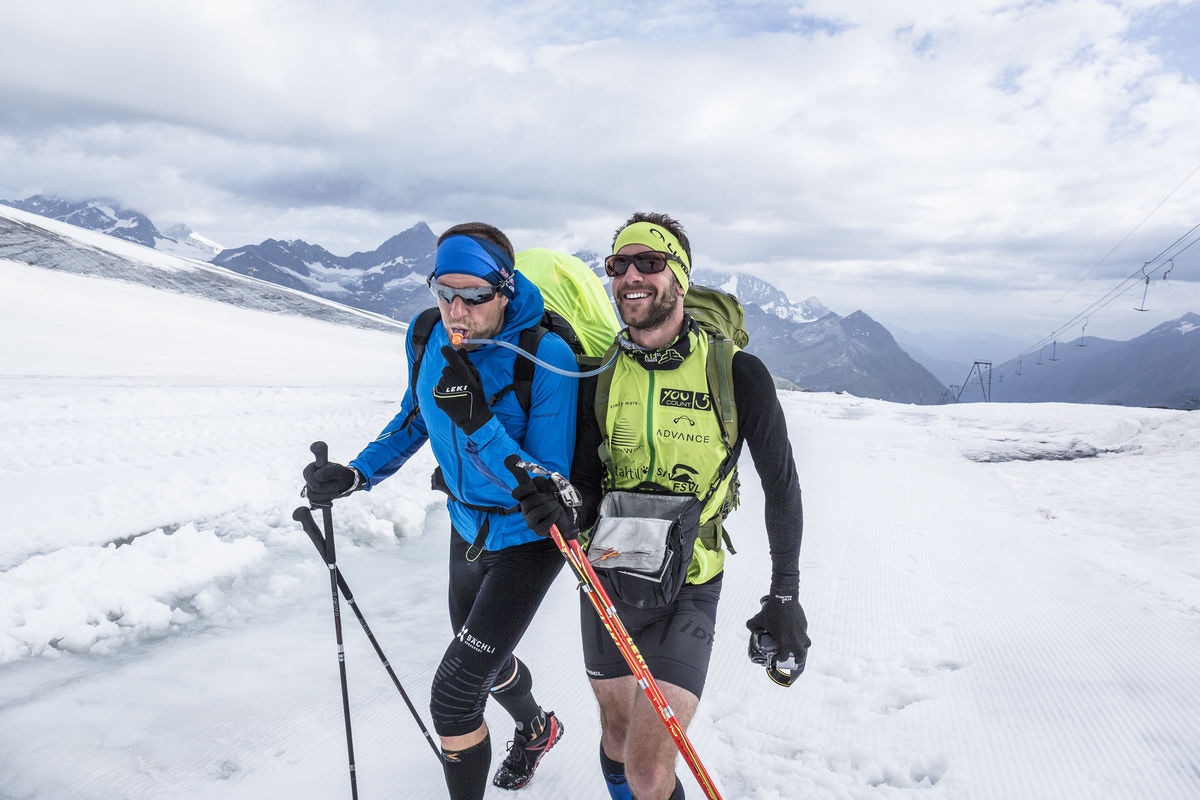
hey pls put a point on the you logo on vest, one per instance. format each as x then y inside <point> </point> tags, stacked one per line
<point>683,398</point>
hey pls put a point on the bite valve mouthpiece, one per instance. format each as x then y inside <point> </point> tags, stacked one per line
<point>456,339</point>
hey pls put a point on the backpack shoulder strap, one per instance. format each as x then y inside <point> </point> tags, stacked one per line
<point>531,339</point>
<point>603,388</point>
<point>600,404</point>
<point>719,370</point>
<point>522,384</point>
<point>421,329</point>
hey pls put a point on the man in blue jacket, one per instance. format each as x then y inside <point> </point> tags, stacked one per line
<point>463,404</point>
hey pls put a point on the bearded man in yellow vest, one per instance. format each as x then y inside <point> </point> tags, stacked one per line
<point>661,441</point>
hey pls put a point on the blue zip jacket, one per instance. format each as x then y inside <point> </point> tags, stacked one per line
<point>473,466</point>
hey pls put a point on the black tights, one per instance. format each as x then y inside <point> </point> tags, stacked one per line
<point>492,601</point>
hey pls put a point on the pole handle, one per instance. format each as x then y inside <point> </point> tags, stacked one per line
<point>320,452</point>
<point>513,462</point>
<point>303,515</point>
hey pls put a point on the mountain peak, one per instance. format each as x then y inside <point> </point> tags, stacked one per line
<point>97,214</point>
<point>812,308</point>
<point>1182,326</point>
<point>108,216</point>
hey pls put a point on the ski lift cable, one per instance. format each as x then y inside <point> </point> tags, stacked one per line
<point>1134,230</point>
<point>1182,250</point>
<point>1112,294</point>
<point>1141,274</point>
<point>1121,288</point>
<point>1138,276</point>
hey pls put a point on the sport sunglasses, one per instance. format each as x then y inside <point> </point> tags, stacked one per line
<point>647,263</point>
<point>471,295</point>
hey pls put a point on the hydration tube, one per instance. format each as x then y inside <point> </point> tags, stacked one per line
<point>458,340</point>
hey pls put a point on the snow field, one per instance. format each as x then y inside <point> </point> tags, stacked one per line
<point>983,628</point>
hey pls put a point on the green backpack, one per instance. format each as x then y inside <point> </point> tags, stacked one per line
<point>722,317</point>
<point>571,290</point>
<point>718,312</point>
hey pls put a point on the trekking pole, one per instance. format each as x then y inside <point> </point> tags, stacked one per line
<point>320,452</point>
<point>590,583</point>
<point>305,518</point>
<point>633,657</point>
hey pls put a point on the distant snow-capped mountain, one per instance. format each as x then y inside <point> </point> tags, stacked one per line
<point>389,280</point>
<point>769,299</point>
<point>28,238</point>
<point>803,344</point>
<point>107,216</point>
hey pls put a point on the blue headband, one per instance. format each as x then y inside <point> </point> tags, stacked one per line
<point>467,255</point>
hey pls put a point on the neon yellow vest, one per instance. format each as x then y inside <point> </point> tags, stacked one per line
<point>663,429</point>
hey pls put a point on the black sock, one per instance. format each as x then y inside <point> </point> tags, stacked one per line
<point>467,770</point>
<point>516,697</point>
<point>614,777</point>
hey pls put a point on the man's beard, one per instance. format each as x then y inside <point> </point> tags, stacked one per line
<point>652,316</point>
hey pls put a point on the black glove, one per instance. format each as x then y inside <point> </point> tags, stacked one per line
<point>541,508</point>
<point>783,620</point>
<point>460,393</point>
<point>322,484</point>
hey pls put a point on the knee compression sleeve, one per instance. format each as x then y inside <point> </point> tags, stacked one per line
<point>458,697</point>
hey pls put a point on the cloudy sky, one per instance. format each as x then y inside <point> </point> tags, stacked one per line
<point>954,164</point>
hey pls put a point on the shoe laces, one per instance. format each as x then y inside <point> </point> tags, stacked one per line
<point>520,746</point>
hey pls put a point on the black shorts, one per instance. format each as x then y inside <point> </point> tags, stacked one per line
<point>675,641</point>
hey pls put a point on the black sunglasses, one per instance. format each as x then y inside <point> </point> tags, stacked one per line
<point>471,295</point>
<point>647,263</point>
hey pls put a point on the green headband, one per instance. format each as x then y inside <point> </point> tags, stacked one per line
<point>656,237</point>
